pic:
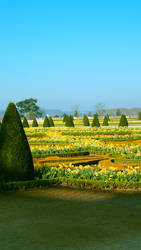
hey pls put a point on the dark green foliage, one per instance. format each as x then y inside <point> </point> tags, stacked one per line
<point>105,121</point>
<point>123,121</point>
<point>69,121</point>
<point>64,117</point>
<point>25,123</point>
<point>118,113</point>
<point>15,156</point>
<point>30,108</point>
<point>108,118</point>
<point>51,122</point>
<point>95,122</point>
<point>139,116</point>
<point>86,121</point>
<point>46,122</point>
<point>34,123</point>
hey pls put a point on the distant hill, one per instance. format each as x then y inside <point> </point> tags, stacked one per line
<point>54,112</point>
<point>112,112</point>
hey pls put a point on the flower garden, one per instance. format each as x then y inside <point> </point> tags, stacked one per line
<point>106,156</point>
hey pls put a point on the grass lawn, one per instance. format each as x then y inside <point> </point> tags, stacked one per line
<point>65,218</point>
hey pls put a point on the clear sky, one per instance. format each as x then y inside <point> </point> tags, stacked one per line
<point>71,52</point>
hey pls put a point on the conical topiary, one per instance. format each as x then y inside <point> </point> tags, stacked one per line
<point>95,122</point>
<point>86,121</point>
<point>65,117</point>
<point>34,123</point>
<point>51,122</point>
<point>123,121</point>
<point>69,121</point>
<point>46,122</point>
<point>105,121</point>
<point>25,123</point>
<point>15,156</point>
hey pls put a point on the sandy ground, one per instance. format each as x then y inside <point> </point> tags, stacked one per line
<point>64,218</point>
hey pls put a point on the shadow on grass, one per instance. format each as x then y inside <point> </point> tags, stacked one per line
<point>64,218</point>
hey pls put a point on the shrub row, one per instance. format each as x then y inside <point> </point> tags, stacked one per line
<point>17,185</point>
<point>100,184</point>
<point>65,154</point>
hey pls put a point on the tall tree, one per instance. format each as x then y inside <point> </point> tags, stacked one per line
<point>29,107</point>
<point>15,156</point>
<point>118,112</point>
<point>75,111</point>
<point>100,108</point>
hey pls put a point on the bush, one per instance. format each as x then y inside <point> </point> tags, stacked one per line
<point>86,121</point>
<point>95,122</point>
<point>139,116</point>
<point>25,123</point>
<point>15,156</point>
<point>105,121</point>
<point>46,122</point>
<point>34,123</point>
<point>123,121</point>
<point>69,121</point>
<point>51,122</point>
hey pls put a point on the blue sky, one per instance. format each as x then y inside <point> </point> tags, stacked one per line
<point>71,52</point>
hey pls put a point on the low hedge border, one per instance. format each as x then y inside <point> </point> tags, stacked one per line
<point>18,185</point>
<point>83,184</point>
<point>100,184</point>
<point>65,154</point>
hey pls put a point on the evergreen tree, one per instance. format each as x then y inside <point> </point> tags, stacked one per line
<point>51,122</point>
<point>118,113</point>
<point>46,122</point>
<point>86,121</point>
<point>95,122</point>
<point>65,117</point>
<point>34,123</point>
<point>139,116</point>
<point>69,121</point>
<point>105,121</point>
<point>25,123</point>
<point>123,121</point>
<point>15,156</point>
<point>108,118</point>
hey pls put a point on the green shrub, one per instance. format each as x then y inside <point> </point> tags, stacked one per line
<point>15,156</point>
<point>86,121</point>
<point>46,122</point>
<point>95,122</point>
<point>123,121</point>
<point>105,121</point>
<point>25,123</point>
<point>34,123</point>
<point>69,121</point>
<point>139,116</point>
<point>51,122</point>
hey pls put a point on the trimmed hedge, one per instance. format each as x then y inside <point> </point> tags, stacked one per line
<point>17,185</point>
<point>67,154</point>
<point>100,184</point>
<point>84,184</point>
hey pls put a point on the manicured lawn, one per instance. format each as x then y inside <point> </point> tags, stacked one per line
<point>64,218</point>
